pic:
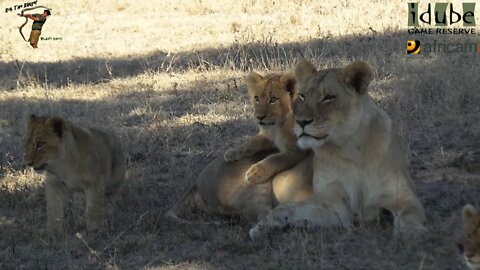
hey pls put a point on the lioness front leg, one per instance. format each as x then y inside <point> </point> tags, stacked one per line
<point>408,213</point>
<point>249,148</point>
<point>95,205</point>
<point>325,209</point>
<point>264,170</point>
<point>55,196</point>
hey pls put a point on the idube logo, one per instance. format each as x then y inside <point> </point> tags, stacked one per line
<point>444,18</point>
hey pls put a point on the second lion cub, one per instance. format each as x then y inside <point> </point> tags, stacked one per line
<point>271,97</point>
<point>74,158</point>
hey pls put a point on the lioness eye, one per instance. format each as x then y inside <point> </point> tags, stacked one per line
<point>273,100</point>
<point>328,98</point>
<point>301,97</point>
<point>257,99</point>
<point>40,145</point>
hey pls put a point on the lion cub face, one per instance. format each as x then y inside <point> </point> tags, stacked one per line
<point>325,106</point>
<point>271,97</point>
<point>471,225</point>
<point>43,142</point>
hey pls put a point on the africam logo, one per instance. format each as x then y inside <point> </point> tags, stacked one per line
<point>413,47</point>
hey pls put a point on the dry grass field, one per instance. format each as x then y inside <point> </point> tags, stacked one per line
<point>167,77</point>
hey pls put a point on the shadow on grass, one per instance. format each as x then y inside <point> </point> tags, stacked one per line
<point>165,154</point>
<point>255,55</point>
<point>167,147</point>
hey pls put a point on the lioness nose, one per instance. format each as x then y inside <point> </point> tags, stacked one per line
<point>261,117</point>
<point>303,123</point>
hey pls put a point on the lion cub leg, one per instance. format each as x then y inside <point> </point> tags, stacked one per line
<point>55,194</point>
<point>189,202</point>
<point>95,205</point>
<point>249,148</point>
<point>265,169</point>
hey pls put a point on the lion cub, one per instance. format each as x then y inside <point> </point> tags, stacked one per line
<point>221,187</point>
<point>74,158</point>
<point>271,97</point>
<point>471,225</point>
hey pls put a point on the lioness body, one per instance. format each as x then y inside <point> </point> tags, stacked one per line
<point>359,167</point>
<point>268,168</point>
<point>75,158</point>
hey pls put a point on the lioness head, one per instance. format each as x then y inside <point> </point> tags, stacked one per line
<point>327,104</point>
<point>271,97</point>
<point>471,225</point>
<point>43,141</point>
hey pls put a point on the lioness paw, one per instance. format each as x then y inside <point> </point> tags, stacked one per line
<point>257,174</point>
<point>233,155</point>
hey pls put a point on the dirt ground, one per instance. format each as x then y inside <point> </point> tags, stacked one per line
<point>171,86</point>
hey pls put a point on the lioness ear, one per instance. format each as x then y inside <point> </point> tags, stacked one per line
<point>56,124</point>
<point>289,81</point>
<point>357,75</point>
<point>304,70</point>
<point>253,79</point>
<point>469,212</point>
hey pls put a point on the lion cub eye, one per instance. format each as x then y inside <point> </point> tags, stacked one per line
<point>39,145</point>
<point>273,100</point>
<point>328,98</point>
<point>257,99</point>
<point>301,97</point>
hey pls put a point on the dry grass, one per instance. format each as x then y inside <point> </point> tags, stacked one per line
<point>167,77</point>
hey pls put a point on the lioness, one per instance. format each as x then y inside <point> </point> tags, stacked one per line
<point>359,167</point>
<point>471,225</point>
<point>271,98</point>
<point>74,158</point>
<point>221,187</point>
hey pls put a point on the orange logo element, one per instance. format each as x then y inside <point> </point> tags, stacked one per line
<point>413,46</point>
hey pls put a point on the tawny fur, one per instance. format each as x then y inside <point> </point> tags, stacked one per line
<point>271,99</point>
<point>271,162</point>
<point>75,158</point>
<point>471,226</point>
<point>359,166</point>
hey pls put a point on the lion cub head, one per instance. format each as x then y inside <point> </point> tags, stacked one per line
<point>328,104</point>
<point>271,97</point>
<point>471,225</point>
<point>44,141</point>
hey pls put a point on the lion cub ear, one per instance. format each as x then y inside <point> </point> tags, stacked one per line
<point>253,79</point>
<point>57,125</point>
<point>357,75</point>
<point>304,70</point>
<point>289,81</point>
<point>30,118</point>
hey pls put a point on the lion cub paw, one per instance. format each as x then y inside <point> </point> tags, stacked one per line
<point>257,174</point>
<point>258,232</point>
<point>233,154</point>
